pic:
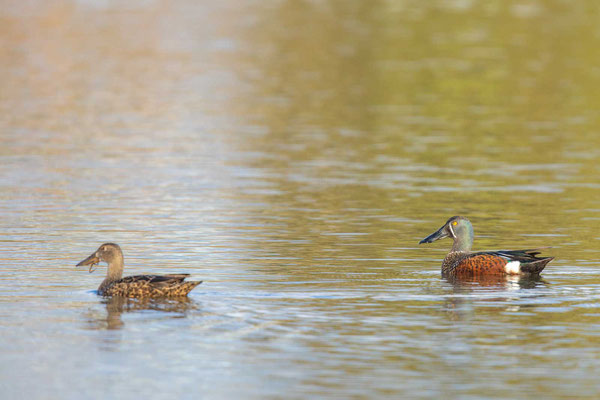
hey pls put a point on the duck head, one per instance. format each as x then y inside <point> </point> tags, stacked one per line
<point>459,229</point>
<point>109,252</point>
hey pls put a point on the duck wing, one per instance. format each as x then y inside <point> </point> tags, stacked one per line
<point>528,260</point>
<point>155,279</point>
<point>171,285</point>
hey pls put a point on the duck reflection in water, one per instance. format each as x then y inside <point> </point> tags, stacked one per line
<point>500,282</point>
<point>471,291</point>
<point>117,305</point>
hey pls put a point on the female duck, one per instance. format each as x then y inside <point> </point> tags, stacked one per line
<point>461,261</point>
<point>171,285</point>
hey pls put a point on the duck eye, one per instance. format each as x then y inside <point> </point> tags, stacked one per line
<point>454,223</point>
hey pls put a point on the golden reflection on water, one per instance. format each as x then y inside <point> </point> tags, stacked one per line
<point>423,112</point>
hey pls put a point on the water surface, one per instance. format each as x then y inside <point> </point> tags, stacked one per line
<point>291,155</point>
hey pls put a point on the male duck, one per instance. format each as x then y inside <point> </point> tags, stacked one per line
<point>461,261</point>
<point>171,285</point>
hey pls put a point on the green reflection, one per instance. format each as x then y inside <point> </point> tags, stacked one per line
<point>372,117</point>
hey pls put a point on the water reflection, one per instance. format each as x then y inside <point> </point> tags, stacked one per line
<point>295,152</point>
<point>499,293</point>
<point>501,282</point>
<point>117,306</point>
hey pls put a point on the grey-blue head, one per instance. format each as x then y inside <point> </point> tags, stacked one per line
<point>459,229</point>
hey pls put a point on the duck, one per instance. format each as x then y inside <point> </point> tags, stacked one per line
<point>462,262</point>
<point>140,286</point>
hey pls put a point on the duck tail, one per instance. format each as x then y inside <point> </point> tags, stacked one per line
<point>535,267</point>
<point>188,286</point>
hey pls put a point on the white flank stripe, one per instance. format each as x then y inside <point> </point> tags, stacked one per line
<point>513,267</point>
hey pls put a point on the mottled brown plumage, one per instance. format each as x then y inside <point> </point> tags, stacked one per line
<point>149,286</point>
<point>462,262</point>
<point>171,285</point>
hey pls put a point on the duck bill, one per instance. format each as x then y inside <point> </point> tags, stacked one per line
<point>439,234</point>
<point>91,261</point>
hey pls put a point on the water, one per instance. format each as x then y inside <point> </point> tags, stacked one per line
<point>291,155</point>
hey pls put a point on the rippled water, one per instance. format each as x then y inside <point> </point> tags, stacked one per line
<point>291,155</point>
